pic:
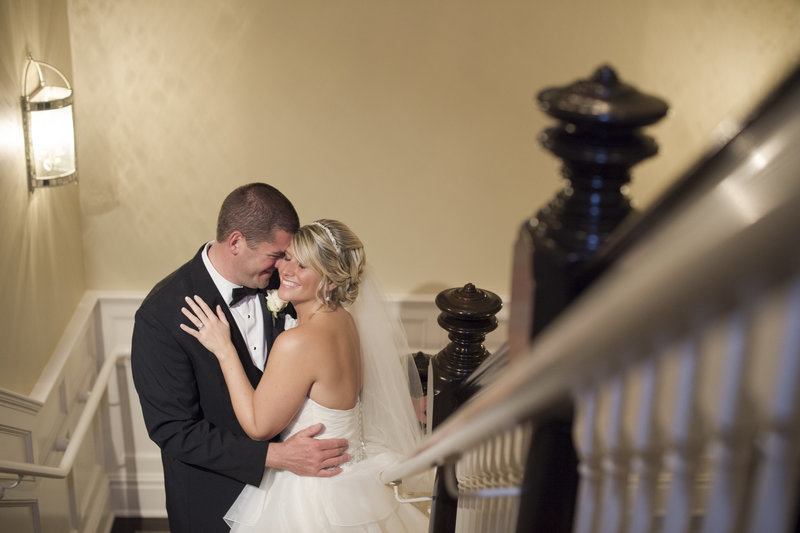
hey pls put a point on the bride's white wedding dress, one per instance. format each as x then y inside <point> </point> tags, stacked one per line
<point>381,430</point>
<point>353,501</point>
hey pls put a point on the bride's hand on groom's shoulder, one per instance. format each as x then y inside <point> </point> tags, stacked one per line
<point>211,329</point>
<point>304,455</point>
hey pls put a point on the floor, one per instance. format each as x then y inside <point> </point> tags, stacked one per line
<point>140,525</point>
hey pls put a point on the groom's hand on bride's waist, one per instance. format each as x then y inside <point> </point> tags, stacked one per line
<point>306,456</point>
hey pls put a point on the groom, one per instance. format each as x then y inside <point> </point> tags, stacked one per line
<point>206,455</point>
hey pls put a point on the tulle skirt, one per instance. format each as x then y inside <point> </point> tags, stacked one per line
<point>353,501</point>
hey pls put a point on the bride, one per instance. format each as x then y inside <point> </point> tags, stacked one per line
<point>342,368</point>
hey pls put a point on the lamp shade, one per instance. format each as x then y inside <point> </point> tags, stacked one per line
<point>49,130</point>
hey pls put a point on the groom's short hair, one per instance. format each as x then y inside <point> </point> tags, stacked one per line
<point>256,210</point>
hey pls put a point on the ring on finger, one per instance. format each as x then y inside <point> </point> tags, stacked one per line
<point>200,326</point>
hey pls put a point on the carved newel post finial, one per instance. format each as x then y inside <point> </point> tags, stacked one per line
<point>599,139</point>
<point>468,314</point>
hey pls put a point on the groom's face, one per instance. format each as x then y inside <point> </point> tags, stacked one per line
<point>255,265</point>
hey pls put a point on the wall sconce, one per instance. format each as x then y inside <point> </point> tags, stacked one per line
<point>49,131</point>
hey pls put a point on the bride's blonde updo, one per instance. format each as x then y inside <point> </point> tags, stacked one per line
<point>334,252</point>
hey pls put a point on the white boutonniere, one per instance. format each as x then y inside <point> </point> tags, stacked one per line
<point>274,303</point>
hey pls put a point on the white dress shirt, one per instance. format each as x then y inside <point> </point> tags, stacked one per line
<point>247,313</point>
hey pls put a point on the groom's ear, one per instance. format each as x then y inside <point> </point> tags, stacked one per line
<point>235,242</point>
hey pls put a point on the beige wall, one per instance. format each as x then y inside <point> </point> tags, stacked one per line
<point>42,274</point>
<point>413,121</point>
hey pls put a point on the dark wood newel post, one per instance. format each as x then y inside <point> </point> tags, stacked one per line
<point>467,314</point>
<point>598,137</point>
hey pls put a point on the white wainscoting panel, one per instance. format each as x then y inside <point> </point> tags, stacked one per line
<point>37,429</point>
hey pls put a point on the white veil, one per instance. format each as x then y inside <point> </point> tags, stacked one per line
<point>388,417</point>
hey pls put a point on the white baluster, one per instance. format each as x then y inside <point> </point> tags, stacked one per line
<point>730,447</point>
<point>495,467</point>
<point>776,479</point>
<point>485,478</point>
<point>645,459</point>
<point>681,458</point>
<point>507,476</point>
<point>614,464</point>
<point>587,504</point>
<point>465,474</point>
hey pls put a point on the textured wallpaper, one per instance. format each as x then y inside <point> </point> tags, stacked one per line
<point>41,257</point>
<point>413,122</point>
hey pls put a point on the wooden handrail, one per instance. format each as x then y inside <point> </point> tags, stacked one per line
<point>581,343</point>
<point>82,427</point>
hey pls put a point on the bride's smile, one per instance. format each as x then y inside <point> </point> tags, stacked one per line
<point>298,283</point>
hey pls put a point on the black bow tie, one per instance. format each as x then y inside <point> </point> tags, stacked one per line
<point>239,293</point>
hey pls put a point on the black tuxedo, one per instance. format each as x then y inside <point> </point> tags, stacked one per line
<point>207,457</point>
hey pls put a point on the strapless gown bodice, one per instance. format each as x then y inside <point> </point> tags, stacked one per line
<point>352,501</point>
<point>338,423</point>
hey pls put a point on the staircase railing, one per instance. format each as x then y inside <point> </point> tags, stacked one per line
<point>83,425</point>
<point>681,361</point>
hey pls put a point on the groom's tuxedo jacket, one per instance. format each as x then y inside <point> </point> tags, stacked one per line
<point>207,456</point>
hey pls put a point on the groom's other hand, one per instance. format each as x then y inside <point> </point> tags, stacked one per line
<point>304,455</point>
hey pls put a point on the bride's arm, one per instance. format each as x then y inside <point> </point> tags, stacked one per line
<point>263,412</point>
